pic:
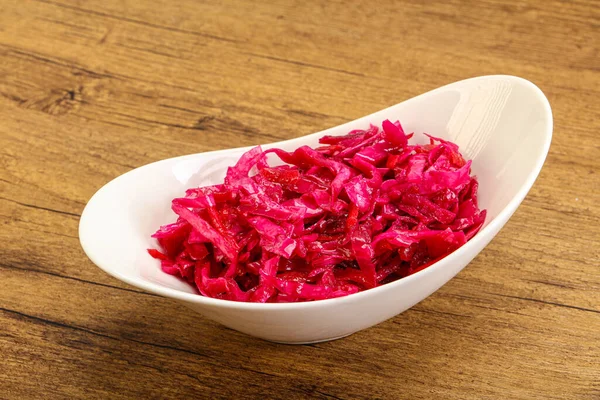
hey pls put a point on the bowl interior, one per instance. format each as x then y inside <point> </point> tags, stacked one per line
<point>502,123</point>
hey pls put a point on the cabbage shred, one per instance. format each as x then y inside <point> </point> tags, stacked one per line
<point>357,212</point>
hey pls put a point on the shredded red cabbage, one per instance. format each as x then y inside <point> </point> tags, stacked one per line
<point>360,211</point>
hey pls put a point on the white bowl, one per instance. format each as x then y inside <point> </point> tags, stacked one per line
<point>502,123</point>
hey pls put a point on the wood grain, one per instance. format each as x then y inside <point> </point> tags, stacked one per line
<point>92,89</point>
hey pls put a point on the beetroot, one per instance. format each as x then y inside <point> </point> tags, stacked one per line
<point>360,211</point>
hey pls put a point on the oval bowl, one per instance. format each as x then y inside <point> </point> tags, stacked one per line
<point>503,123</point>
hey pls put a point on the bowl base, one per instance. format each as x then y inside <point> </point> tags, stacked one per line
<point>313,341</point>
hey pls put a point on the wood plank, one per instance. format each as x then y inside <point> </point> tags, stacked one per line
<point>90,90</point>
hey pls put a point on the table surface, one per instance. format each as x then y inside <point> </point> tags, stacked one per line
<point>91,89</point>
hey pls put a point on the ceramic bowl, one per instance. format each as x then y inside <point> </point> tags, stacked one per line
<point>502,123</point>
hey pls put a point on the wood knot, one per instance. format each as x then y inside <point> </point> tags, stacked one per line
<point>57,102</point>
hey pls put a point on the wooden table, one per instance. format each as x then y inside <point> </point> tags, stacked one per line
<point>91,89</point>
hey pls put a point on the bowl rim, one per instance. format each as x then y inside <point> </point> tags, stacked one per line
<point>493,226</point>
